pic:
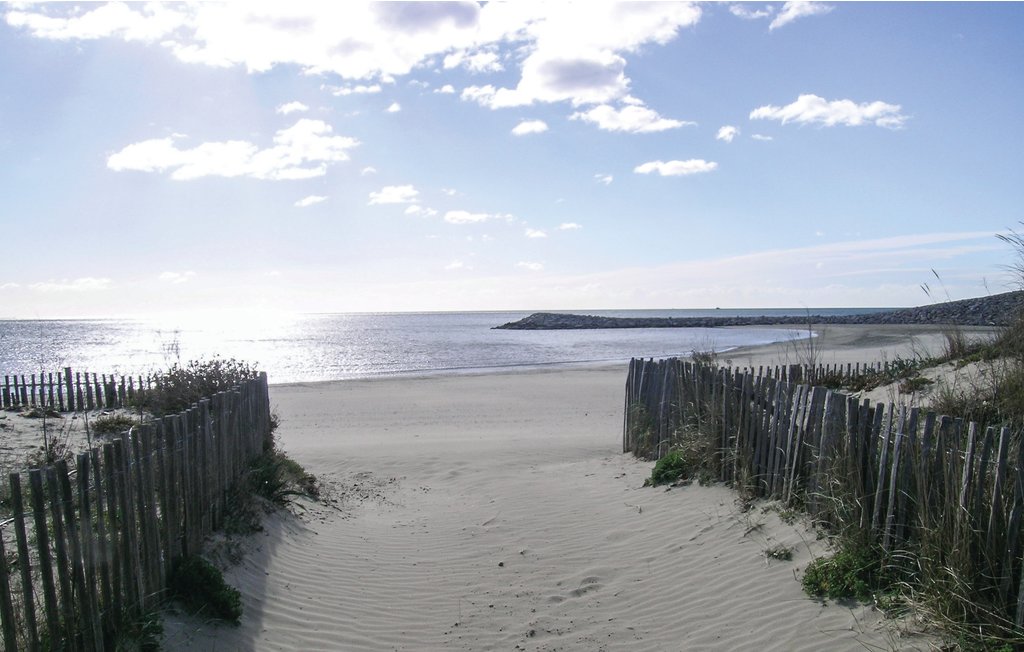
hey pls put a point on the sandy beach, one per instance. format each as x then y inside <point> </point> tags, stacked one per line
<point>496,512</point>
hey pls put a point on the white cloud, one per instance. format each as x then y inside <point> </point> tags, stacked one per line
<point>151,22</point>
<point>548,77</point>
<point>477,62</point>
<point>456,265</point>
<point>633,119</point>
<point>568,51</point>
<point>761,137</point>
<point>369,169</point>
<point>292,107</point>
<point>577,52</point>
<point>742,11</point>
<point>569,226</point>
<point>465,217</point>
<point>358,89</point>
<point>395,195</point>
<point>447,89</point>
<point>530,127</point>
<point>420,211</point>
<point>394,108</point>
<point>176,278</point>
<point>533,267</point>
<point>310,200</point>
<point>83,284</point>
<point>301,151</point>
<point>451,192</point>
<point>793,10</point>
<point>9,286</point>
<point>606,179</point>
<point>480,94</point>
<point>535,234</point>
<point>352,40</point>
<point>811,109</point>
<point>676,168</point>
<point>727,133</point>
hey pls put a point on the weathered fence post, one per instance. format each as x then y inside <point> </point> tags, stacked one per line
<point>23,561</point>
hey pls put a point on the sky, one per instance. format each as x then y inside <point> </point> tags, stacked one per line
<point>353,157</point>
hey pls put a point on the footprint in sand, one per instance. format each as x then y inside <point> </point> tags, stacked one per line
<point>586,586</point>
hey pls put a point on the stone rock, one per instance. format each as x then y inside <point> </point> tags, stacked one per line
<point>994,310</point>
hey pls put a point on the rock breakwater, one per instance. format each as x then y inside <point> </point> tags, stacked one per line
<point>994,310</point>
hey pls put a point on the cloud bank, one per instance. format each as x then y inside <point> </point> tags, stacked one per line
<point>812,109</point>
<point>301,151</point>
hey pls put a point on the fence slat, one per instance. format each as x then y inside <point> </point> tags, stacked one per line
<point>17,504</point>
<point>103,542</point>
<point>89,554</point>
<point>60,545</point>
<point>7,618</point>
<point>35,480</point>
<point>84,593</point>
<point>115,523</point>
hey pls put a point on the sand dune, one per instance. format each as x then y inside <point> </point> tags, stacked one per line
<point>495,512</point>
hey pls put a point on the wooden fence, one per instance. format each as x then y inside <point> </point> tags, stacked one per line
<point>69,391</point>
<point>93,546</point>
<point>899,475</point>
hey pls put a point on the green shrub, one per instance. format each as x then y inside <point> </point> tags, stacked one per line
<point>671,467</point>
<point>201,589</point>
<point>276,477</point>
<point>856,570</point>
<point>139,634</point>
<point>708,358</point>
<point>831,380</point>
<point>779,551</point>
<point>914,384</point>
<point>272,476</point>
<point>56,449</point>
<point>181,386</point>
<point>112,424</point>
<point>41,412</point>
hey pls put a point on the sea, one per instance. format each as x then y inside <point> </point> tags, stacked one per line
<point>339,346</point>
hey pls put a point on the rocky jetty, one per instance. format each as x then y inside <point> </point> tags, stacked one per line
<point>994,310</point>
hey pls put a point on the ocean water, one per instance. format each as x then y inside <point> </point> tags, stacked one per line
<point>317,347</point>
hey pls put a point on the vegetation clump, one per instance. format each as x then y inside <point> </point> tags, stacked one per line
<point>200,587</point>
<point>183,385</point>
<point>272,477</point>
<point>276,477</point>
<point>914,384</point>
<point>112,424</point>
<point>779,551</point>
<point>672,467</point>
<point>855,570</point>
<point>144,633</point>
<point>681,464</point>
<point>41,412</point>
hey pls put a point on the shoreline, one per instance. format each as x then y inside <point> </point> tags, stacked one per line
<point>836,344</point>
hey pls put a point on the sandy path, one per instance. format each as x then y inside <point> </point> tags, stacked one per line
<point>495,512</point>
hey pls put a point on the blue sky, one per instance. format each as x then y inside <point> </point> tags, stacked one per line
<point>447,156</point>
